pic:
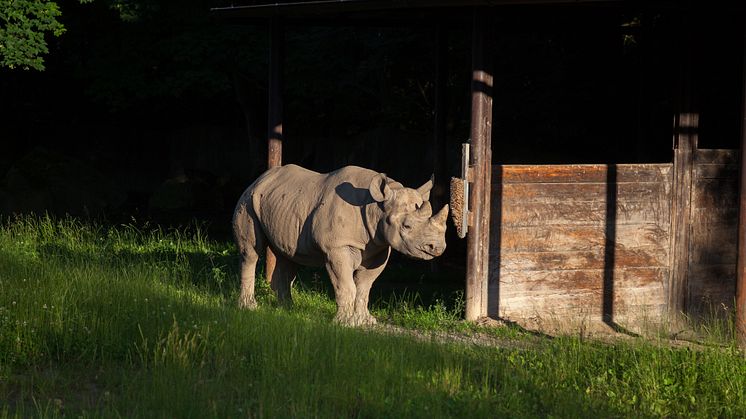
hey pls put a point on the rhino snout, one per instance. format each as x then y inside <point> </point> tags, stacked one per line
<point>433,249</point>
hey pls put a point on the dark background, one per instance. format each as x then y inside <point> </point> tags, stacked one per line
<point>156,111</point>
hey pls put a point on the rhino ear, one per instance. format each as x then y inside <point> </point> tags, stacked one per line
<point>424,190</point>
<point>379,188</point>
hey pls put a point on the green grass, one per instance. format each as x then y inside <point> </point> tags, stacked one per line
<point>102,321</point>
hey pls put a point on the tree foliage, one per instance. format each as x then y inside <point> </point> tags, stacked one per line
<point>23,27</point>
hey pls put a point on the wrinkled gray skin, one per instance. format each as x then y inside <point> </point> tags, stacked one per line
<point>346,221</point>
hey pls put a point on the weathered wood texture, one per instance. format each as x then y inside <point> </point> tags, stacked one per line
<point>686,125</point>
<point>713,231</point>
<point>478,238</point>
<point>567,244</point>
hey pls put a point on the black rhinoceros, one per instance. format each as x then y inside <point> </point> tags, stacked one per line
<point>347,220</point>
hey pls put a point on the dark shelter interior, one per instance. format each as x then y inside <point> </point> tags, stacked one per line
<point>159,113</point>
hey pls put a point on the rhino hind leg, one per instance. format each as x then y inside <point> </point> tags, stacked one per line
<point>282,279</point>
<point>250,241</point>
<point>248,277</point>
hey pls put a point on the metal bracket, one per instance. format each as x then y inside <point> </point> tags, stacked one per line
<point>466,175</point>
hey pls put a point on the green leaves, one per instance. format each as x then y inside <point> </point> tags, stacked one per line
<point>23,26</point>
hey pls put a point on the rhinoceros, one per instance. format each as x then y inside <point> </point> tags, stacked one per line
<point>347,221</point>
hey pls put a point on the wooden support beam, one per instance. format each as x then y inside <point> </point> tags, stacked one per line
<point>274,123</point>
<point>741,261</point>
<point>478,239</point>
<point>686,128</point>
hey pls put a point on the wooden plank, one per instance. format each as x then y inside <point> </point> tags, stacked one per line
<point>715,193</point>
<point>705,156</point>
<point>563,310</point>
<point>725,217</point>
<point>584,260</point>
<point>581,192</point>
<point>582,238</point>
<point>717,246</point>
<point>708,255</point>
<point>544,293</point>
<point>714,273</point>
<point>712,285</point>
<point>716,171</point>
<point>523,214</point>
<point>581,173</point>
<point>578,279</point>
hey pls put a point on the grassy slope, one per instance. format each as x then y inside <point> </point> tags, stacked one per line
<point>119,322</point>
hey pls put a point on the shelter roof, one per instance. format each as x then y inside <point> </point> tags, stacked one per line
<point>329,8</point>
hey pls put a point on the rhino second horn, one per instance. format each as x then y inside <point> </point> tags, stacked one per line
<point>441,217</point>
<point>424,190</point>
<point>425,210</point>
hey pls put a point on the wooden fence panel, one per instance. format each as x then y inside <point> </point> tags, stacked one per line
<point>714,231</point>
<point>573,241</point>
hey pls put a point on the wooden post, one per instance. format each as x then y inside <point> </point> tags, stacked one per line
<point>741,263</point>
<point>477,250</point>
<point>685,130</point>
<point>274,123</point>
<point>686,127</point>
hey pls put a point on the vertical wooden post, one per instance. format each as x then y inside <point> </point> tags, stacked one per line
<point>686,127</point>
<point>741,263</point>
<point>274,123</point>
<point>477,250</point>
<point>685,130</point>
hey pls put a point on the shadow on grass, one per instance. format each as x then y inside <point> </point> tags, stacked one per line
<point>217,273</point>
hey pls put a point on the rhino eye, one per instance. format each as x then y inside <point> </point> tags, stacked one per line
<point>406,226</point>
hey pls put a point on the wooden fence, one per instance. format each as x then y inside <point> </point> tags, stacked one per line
<point>714,231</point>
<point>595,242</point>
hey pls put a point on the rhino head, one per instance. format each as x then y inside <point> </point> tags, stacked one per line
<point>407,223</point>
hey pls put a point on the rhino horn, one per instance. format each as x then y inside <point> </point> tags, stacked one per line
<point>424,190</point>
<point>425,209</point>
<point>441,217</point>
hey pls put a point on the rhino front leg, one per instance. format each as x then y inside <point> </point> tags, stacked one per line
<point>365,275</point>
<point>339,265</point>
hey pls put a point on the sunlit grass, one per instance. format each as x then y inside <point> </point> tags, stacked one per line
<point>139,322</point>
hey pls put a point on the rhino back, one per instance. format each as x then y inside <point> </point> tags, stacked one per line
<point>338,221</point>
<point>283,200</point>
<point>304,213</point>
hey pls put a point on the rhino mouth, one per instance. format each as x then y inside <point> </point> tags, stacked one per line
<point>428,253</point>
<point>426,256</point>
